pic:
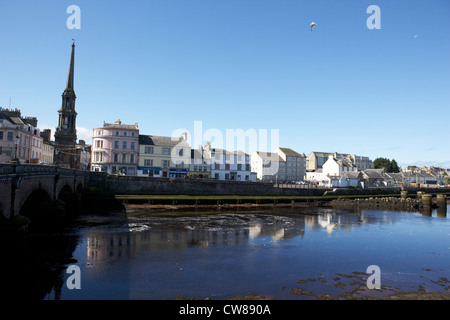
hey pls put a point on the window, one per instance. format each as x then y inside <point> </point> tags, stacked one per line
<point>124,145</point>
<point>99,132</point>
<point>116,157</point>
<point>1,135</point>
<point>124,157</point>
<point>116,144</point>
<point>8,151</point>
<point>132,146</point>
<point>166,163</point>
<point>132,158</point>
<point>149,150</point>
<point>125,134</point>
<point>148,162</point>
<point>10,136</point>
<point>216,176</point>
<point>166,151</point>
<point>117,133</point>
<point>99,143</point>
<point>132,134</point>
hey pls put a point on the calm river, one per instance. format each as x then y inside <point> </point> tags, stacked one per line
<point>301,254</point>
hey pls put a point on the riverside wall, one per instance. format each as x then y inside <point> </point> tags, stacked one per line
<point>108,185</point>
<point>104,184</point>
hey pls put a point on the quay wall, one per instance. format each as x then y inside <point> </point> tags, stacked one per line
<point>108,185</point>
<point>104,184</point>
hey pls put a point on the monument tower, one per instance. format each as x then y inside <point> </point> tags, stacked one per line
<point>66,132</point>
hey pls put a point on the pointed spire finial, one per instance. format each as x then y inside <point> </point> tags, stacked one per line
<point>70,75</point>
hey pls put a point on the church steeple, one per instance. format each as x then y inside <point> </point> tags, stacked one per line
<point>69,85</point>
<point>66,133</point>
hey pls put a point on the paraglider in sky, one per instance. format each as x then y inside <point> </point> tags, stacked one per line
<point>313,24</point>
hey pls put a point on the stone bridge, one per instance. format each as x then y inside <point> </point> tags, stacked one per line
<point>37,191</point>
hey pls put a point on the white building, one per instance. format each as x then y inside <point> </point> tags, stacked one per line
<point>200,165</point>
<point>266,165</point>
<point>229,165</point>
<point>282,165</point>
<point>338,166</point>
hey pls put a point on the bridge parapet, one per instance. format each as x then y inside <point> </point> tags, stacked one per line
<point>32,169</point>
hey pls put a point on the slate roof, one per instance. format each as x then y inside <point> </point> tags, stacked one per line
<point>270,156</point>
<point>291,153</point>
<point>158,141</point>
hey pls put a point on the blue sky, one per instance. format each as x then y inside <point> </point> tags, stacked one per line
<point>241,64</point>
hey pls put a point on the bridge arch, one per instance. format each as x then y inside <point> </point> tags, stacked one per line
<point>64,193</point>
<point>38,207</point>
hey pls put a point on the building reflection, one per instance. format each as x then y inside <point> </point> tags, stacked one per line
<point>171,234</point>
<point>103,246</point>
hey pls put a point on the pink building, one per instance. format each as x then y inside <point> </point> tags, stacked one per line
<point>19,138</point>
<point>115,148</point>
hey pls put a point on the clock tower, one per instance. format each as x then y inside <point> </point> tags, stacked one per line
<point>66,132</point>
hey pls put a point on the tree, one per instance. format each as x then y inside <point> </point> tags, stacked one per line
<point>393,166</point>
<point>386,164</point>
<point>381,163</point>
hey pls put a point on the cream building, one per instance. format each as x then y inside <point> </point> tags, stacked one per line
<point>165,157</point>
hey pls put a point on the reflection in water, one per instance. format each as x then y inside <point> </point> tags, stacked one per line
<point>223,254</point>
<point>138,235</point>
<point>178,233</point>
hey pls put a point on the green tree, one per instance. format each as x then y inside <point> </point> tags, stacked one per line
<point>381,163</point>
<point>386,164</point>
<point>393,166</point>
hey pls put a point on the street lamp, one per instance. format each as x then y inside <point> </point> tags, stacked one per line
<point>16,143</point>
<point>55,160</point>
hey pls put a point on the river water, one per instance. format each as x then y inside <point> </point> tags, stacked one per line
<point>291,254</point>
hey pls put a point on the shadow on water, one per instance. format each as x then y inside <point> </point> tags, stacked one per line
<point>33,264</point>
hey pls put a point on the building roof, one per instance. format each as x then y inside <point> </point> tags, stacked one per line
<point>374,173</point>
<point>5,117</point>
<point>159,140</point>
<point>352,175</point>
<point>291,153</point>
<point>269,156</point>
<point>118,125</point>
<point>320,154</point>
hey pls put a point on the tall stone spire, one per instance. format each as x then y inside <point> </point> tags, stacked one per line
<point>69,85</point>
<point>66,133</point>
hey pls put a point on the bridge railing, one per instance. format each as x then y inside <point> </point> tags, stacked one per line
<point>35,169</point>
